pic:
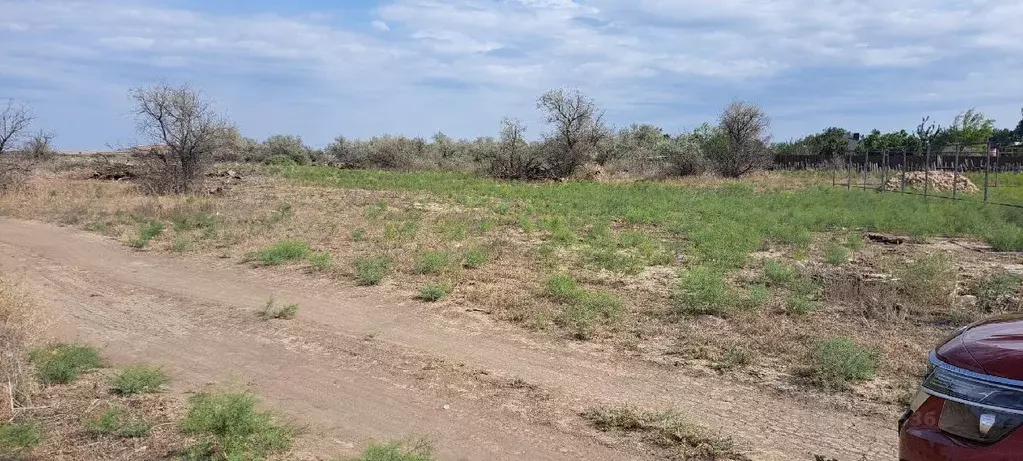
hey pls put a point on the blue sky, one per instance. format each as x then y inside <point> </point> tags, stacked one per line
<point>319,68</point>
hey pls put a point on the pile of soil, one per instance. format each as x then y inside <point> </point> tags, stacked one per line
<point>937,181</point>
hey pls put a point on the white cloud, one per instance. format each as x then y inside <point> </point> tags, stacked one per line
<point>381,26</point>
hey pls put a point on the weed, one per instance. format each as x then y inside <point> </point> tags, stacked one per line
<point>667,430</point>
<point>321,261</point>
<point>997,293</point>
<point>839,361</point>
<point>181,245</point>
<point>592,308</point>
<point>147,232</point>
<point>702,291</point>
<point>930,281</point>
<point>800,305</point>
<point>15,437</point>
<point>396,451</point>
<point>370,271</point>
<point>434,292</point>
<point>138,379</point>
<point>375,210</point>
<point>283,312</point>
<point>280,161</point>
<point>114,422</point>
<point>229,427</point>
<point>735,357</point>
<point>62,363</point>
<point>358,235</point>
<point>475,258</point>
<point>836,254</point>
<point>433,262</point>
<point>777,272</point>
<point>756,296</point>
<point>562,288</point>
<point>282,252</point>
<point>854,242</point>
<point>186,221</point>
<point>284,212</point>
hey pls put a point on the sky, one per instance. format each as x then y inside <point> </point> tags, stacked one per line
<point>320,68</point>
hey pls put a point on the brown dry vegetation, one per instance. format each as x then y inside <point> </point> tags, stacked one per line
<point>895,300</point>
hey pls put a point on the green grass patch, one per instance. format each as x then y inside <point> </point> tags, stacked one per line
<point>62,363</point>
<point>703,291</point>
<point>185,221</point>
<point>272,310</point>
<point>148,231</point>
<point>358,235</point>
<point>756,296</point>
<point>115,422</point>
<point>16,437</point>
<point>139,379</point>
<point>321,260</point>
<point>396,451</point>
<point>228,426</point>
<point>594,308</point>
<point>854,242</point>
<point>838,362</point>
<point>283,252</point>
<point>778,273</point>
<point>434,292</point>
<point>370,271</point>
<point>434,262</point>
<point>475,258</point>
<point>836,254</point>
<point>800,305</point>
<point>562,288</point>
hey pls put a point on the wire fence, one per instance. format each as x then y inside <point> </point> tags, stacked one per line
<point>977,173</point>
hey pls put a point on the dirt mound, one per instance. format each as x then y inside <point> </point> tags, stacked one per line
<point>936,180</point>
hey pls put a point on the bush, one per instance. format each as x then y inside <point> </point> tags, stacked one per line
<point>839,361</point>
<point>433,262</point>
<point>434,292</point>
<point>370,271</point>
<point>114,422</point>
<point>930,281</point>
<point>147,232</point>
<point>138,379</point>
<point>62,363</point>
<point>683,155</point>
<point>395,451</point>
<point>280,160</point>
<point>15,437</point>
<point>476,258</point>
<point>321,261</point>
<point>282,252</point>
<point>288,146</point>
<point>998,293</point>
<point>836,254</point>
<point>740,143</point>
<point>702,291</point>
<point>228,427</point>
<point>272,311</point>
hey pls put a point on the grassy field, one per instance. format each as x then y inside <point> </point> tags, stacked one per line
<point>768,279</point>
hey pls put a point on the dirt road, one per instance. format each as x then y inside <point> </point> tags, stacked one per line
<point>370,363</point>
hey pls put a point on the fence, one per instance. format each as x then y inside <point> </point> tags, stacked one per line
<point>968,173</point>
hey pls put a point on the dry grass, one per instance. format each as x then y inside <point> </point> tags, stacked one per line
<point>668,431</point>
<point>19,325</point>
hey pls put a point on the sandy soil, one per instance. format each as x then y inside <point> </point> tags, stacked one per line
<point>372,363</point>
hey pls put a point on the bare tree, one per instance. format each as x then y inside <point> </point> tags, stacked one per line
<point>577,129</point>
<point>744,131</point>
<point>14,122</point>
<point>514,158</point>
<point>187,131</point>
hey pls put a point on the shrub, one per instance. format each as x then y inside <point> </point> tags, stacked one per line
<point>777,272</point>
<point>288,146</point>
<point>15,437</point>
<point>742,140</point>
<point>476,258</point>
<point>138,379</point>
<point>434,292</point>
<point>735,357</point>
<point>433,262</point>
<point>147,232</point>
<point>839,361</point>
<point>284,312</point>
<point>321,261</point>
<point>62,363</point>
<point>228,427</point>
<point>280,160</point>
<point>930,281</point>
<point>370,271</point>
<point>282,252</point>
<point>562,288</point>
<point>396,451</point>
<point>997,293</point>
<point>702,291</point>
<point>836,254</point>
<point>684,155</point>
<point>114,422</point>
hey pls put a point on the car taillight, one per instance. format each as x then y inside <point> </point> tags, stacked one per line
<point>977,407</point>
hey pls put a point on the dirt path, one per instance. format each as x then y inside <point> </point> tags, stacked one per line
<point>360,363</point>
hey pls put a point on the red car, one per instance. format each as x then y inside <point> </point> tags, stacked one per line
<point>970,405</point>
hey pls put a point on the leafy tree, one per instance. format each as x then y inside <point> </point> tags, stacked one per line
<point>743,142</point>
<point>577,129</point>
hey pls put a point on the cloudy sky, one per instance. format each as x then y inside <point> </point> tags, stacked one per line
<point>319,68</point>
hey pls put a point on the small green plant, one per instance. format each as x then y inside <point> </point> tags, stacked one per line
<point>62,363</point>
<point>735,357</point>
<point>148,231</point>
<point>777,272</point>
<point>186,221</point>
<point>138,379</point>
<point>370,271</point>
<point>321,260</point>
<point>756,296</point>
<point>476,258</point>
<point>114,422</point>
<point>854,242</point>
<point>282,252</point>
<point>702,291</point>
<point>396,451</point>
<point>15,437</point>
<point>375,210</point>
<point>836,254</point>
<point>592,309</point>
<point>181,245</point>
<point>358,235</point>
<point>800,305</point>
<point>282,312</point>
<point>434,292</point>
<point>229,427</point>
<point>839,361</point>
<point>433,262</point>
<point>562,288</point>
<point>997,293</point>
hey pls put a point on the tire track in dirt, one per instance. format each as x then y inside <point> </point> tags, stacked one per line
<point>195,317</point>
